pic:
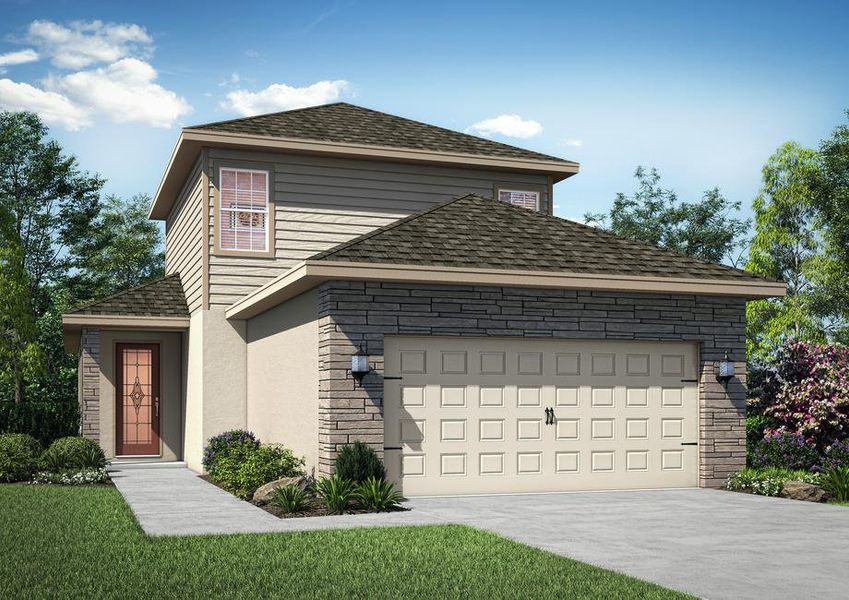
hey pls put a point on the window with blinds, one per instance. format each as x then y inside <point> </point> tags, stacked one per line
<point>523,198</point>
<point>243,210</point>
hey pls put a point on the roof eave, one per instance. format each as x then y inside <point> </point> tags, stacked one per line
<point>74,323</point>
<point>191,141</point>
<point>310,273</point>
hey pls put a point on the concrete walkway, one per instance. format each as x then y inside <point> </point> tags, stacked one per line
<point>709,543</point>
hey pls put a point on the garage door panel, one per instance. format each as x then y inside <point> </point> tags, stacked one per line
<point>485,430</point>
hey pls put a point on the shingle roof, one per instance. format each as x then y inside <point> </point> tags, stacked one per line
<point>477,232</point>
<point>345,123</point>
<point>159,298</point>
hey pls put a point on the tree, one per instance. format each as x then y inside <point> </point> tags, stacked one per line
<point>789,245</point>
<point>706,229</point>
<point>123,250</point>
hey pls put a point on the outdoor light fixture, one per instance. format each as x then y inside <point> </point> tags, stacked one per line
<point>359,366</point>
<point>725,370</point>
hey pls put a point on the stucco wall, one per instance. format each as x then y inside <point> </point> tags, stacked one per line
<point>354,312</point>
<point>170,402</point>
<point>193,410</point>
<point>282,376</point>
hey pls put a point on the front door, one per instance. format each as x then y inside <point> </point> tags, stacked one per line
<point>137,397</point>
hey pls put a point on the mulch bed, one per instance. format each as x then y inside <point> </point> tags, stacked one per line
<point>315,510</point>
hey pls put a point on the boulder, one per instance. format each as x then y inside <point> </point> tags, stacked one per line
<point>799,490</point>
<point>263,493</point>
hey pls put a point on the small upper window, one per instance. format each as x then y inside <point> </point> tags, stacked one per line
<point>243,210</point>
<point>523,198</point>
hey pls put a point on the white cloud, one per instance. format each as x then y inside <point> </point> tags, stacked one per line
<point>18,58</point>
<point>572,142</point>
<point>279,96</point>
<point>124,91</point>
<point>83,43</point>
<point>54,108</point>
<point>509,125</point>
<point>233,80</point>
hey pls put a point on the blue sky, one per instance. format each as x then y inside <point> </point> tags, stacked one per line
<point>703,91</point>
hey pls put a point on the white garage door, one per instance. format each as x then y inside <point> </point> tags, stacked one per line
<point>495,415</point>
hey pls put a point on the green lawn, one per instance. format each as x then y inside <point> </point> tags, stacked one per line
<point>62,541</point>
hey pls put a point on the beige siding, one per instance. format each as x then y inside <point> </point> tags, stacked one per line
<point>184,239</point>
<point>323,201</point>
<point>283,378</point>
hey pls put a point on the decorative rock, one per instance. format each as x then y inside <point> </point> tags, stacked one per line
<point>799,490</point>
<point>263,493</point>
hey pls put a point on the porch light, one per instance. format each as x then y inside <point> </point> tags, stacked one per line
<point>359,365</point>
<point>725,370</point>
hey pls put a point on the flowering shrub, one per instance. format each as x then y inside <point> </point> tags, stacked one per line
<point>767,482</point>
<point>836,456</point>
<point>224,444</point>
<point>72,477</point>
<point>785,451</point>
<point>807,393</point>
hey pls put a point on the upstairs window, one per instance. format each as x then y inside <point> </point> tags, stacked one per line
<point>517,197</point>
<point>243,214</point>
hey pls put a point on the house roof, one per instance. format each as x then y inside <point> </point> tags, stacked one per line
<point>349,124</point>
<point>478,241</point>
<point>472,231</point>
<point>345,130</point>
<point>159,298</point>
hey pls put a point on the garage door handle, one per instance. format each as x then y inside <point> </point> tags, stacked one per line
<point>689,443</point>
<point>393,448</point>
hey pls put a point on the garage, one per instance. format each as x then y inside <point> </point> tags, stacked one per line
<point>499,415</point>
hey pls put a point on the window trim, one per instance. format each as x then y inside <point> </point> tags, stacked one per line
<point>539,190</point>
<point>269,252</point>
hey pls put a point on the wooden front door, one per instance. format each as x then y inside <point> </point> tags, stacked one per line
<point>137,399</point>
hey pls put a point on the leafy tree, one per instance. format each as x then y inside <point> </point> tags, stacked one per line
<point>706,229</point>
<point>788,245</point>
<point>123,250</point>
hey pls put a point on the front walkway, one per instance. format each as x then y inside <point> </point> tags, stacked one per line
<point>709,543</point>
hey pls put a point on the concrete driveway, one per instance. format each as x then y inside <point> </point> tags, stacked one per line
<point>709,543</point>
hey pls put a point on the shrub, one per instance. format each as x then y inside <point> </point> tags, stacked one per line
<point>785,451</point>
<point>290,498</point>
<point>836,481</point>
<point>358,462</point>
<point>807,391</point>
<point>377,495</point>
<point>767,482</point>
<point>335,492</point>
<point>755,427</point>
<point>19,455</point>
<point>223,444</point>
<point>246,466</point>
<point>836,456</point>
<point>73,453</point>
<point>73,477</point>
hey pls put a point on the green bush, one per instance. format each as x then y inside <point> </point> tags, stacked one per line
<point>290,498</point>
<point>73,453</point>
<point>767,482</point>
<point>755,427</point>
<point>377,495</point>
<point>336,493</point>
<point>19,456</point>
<point>836,482</point>
<point>358,462</point>
<point>223,444</point>
<point>248,466</point>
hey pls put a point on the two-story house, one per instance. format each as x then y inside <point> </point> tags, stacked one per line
<point>508,350</point>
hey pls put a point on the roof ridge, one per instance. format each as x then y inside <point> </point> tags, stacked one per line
<point>135,288</point>
<point>268,114</point>
<point>394,224</point>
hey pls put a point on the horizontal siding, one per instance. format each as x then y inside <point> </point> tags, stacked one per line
<point>184,239</point>
<point>324,201</point>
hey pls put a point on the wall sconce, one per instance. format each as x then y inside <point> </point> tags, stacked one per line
<point>359,366</point>
<point>725,370</point>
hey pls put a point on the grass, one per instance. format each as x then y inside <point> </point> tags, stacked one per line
<point>84,542</point>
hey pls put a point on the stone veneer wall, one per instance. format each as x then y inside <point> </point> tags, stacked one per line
<point>89,384</point>
<point>356,312</point>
